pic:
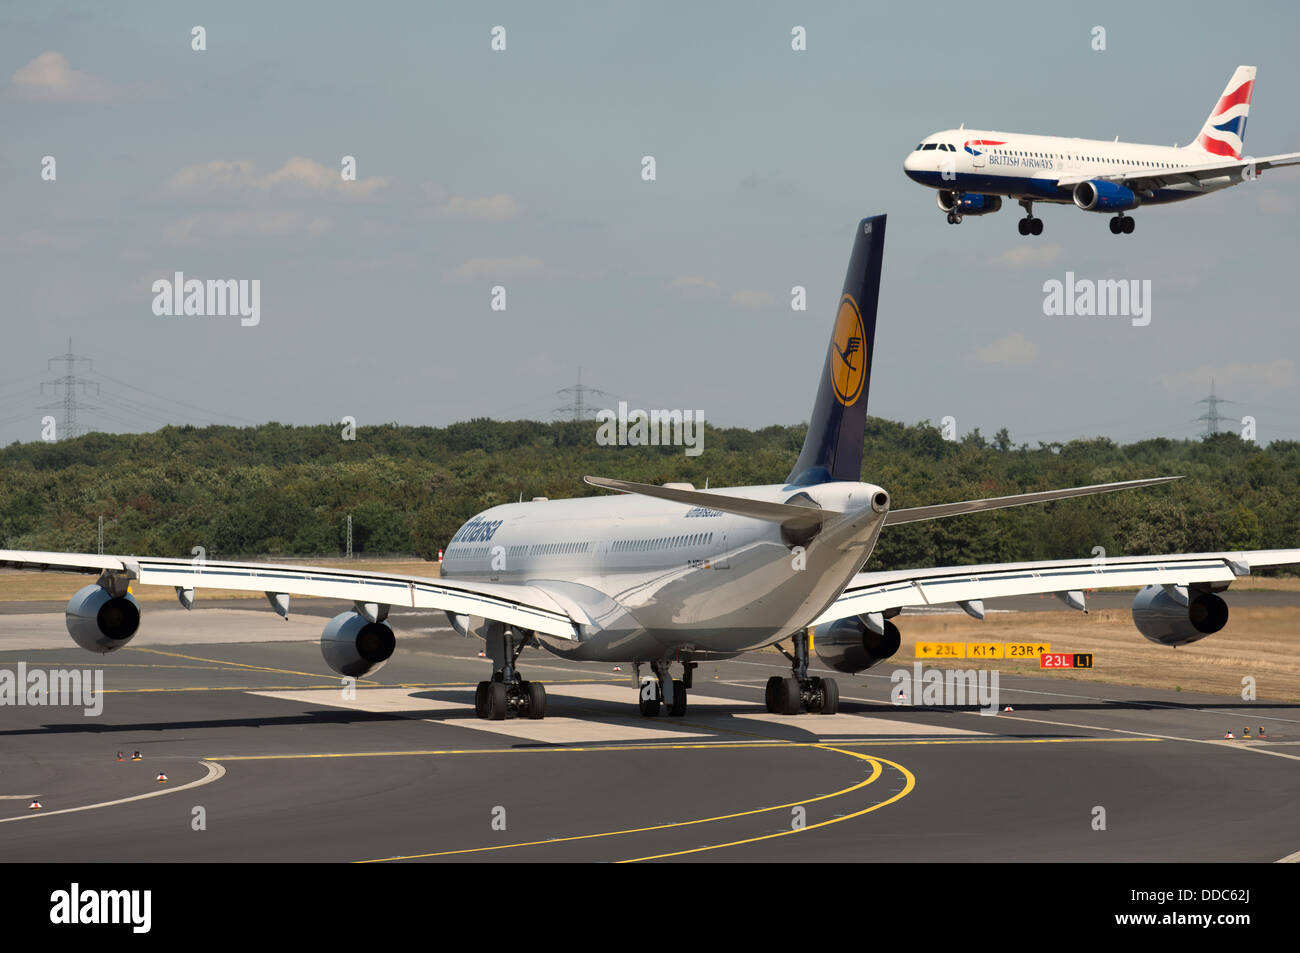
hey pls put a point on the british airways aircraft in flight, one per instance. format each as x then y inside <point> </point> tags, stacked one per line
<point>670,576</point>
<point>973,168</point>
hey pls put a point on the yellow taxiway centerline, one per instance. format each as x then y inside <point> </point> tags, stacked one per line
<point>875,773</point>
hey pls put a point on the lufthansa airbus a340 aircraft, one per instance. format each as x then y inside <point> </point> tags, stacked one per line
<point>672,576</point>
<point>973,168</point>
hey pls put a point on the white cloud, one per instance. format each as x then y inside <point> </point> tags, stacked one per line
<point>496,269</point>
<point>1010,351</point>
<point>695,287</point>
<point>492,208</point>
<point>50,77</point>
<point>297,176</point>
<point>263,222</point>
<point>752,300</point>
<point>39,240</point>
<point>381,265</point>
<point>1023,256</point>
<point>1274,202</point>
<point>1237,376</point>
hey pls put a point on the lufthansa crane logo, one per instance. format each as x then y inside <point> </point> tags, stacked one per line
<point>848,357</point>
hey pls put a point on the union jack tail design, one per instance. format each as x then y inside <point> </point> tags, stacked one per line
<point>1224,133</point>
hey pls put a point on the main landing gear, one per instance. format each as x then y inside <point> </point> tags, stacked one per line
<point>1029,225</point>
<point>507,694</point>
<point>789,696</point>
<point>664,691</point>
<point>1122,224</point>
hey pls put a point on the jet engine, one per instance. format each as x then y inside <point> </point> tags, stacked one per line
<point>1178,615</point>
<point>1098,195</point>
<point>100,622</point>
<point>850,645</point>
<point>355,646</point>
<point>968,204</point>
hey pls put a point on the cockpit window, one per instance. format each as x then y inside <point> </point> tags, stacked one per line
<point>929,146</point>
<point>919,147</point>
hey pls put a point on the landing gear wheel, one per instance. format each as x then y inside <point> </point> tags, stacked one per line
<point>1022,226</point>
<point>480,699</point>
<point>1036,228</point>
<point>952,218</point>
<point>535,693</point>
<point>830,697</point>
<point>1129,225</point>
<point>678,707</point>
<point>1116,225</point>
<point>498,701</point>
<point>772,693</point>
<point>649,707</point>
<point>789,696</point>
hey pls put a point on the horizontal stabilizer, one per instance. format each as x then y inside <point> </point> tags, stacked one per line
<point>942,510</point>
<point>784,513</point>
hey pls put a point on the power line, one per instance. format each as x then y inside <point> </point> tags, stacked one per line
<point>170,400</point>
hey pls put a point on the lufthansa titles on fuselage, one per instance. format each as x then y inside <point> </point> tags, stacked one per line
<point>477,530</point>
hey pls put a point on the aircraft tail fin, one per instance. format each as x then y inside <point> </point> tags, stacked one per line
<point>1224,132</point>
<point>832,449</point>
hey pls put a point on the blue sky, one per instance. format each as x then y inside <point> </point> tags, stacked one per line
<point>522,168</point>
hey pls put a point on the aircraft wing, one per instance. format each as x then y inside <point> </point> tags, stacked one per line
<point>1140,179</point>
<point>899,589</point>
<point>526,607</point>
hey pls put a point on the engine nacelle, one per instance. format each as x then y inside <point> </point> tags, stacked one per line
<point>355,646</point>
<point>1167,620</point>
<point>100,622</point>
<point>964,204</point>
<point>1098,195</point>
<point>849,645</point>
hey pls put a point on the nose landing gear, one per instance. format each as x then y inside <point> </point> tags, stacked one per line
<point>664,691</point>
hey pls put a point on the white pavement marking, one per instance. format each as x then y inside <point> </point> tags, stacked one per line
<point>383,700</point>
<point>554,730</point>
<point>214,772</point>
<point>1235,745</point>
<point>627,694</point>
<point>562,730</point>
<point>572,730</point>
<point>847,724</point>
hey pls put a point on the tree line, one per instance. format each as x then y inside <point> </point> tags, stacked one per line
<point>282,490</point>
